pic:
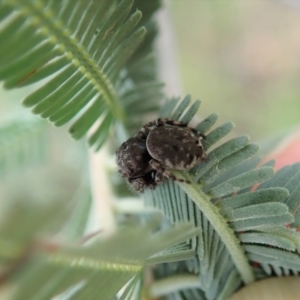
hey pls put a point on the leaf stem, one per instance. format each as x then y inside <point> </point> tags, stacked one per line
<point>220,225</point>
<point>101,192</point>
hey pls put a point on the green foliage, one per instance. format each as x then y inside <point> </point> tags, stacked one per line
<point>289,178</point>
<point>91,63</point>
<point>21,142</point>
<point>237,225</point>
<point>45,269</point>
<point>80,50</point>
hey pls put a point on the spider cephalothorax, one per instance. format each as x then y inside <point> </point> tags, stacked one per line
<point>159,146</point>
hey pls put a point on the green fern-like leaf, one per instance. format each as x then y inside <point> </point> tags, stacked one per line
<point>80,49</point>
<point>45,269</point>
<point>237,224</point>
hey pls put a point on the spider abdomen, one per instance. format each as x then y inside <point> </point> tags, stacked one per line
<point>175,147</point>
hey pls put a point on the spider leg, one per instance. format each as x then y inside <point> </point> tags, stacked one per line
<point>204,157</point>
<point>200,134</point>
<point>138,183</point>
<point>145,130</point>
<point>162,122</point>
<point>153,185</point>
<point>150,179</point>
<point>162,171</point>
<point>146,181</point>
<point>159,178</point>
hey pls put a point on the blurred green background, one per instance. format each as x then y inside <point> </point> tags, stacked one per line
<point>242,59</point>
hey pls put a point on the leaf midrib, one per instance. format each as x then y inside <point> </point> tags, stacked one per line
<point>219,223</point>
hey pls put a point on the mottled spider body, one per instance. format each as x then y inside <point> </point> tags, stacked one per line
<point>175,147</point>
<point>133,158</point>
<point>160,146</point>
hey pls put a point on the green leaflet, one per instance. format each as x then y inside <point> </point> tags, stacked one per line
<point>100,133</point>
<point>70,109</point>
<point>132,289</point>
<point>239,182</point>
<point>166,110</point>
<point>229,162</point>
<point>262,210</point>
<point>289,177</point>
<point>282,177</point>
<point>45,71</point>
<point>175,282</point>
<point>267,239</point>
<point>177,253</point>
<point>181,108</point>
<point>216,159</point>
<point>62,92</point>
<point>255,197</point>
<point>257,223</point>
<point>293,200</point>
<point>207,123</point>
<point>51,86</point>
<point>187,117</point>
<point>274,255</point>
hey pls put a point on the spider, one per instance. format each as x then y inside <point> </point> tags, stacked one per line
<point>158,147</point>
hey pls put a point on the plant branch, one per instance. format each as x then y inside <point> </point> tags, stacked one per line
<point>166,53</point>
<point>226,234</point>
<point>101,190</point>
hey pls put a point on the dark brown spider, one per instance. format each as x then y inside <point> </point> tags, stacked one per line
<point>162,145</point>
